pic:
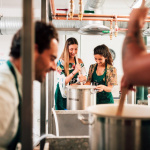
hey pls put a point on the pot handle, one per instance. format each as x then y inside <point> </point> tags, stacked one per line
<point>84,120</point>
<point>93,91</point>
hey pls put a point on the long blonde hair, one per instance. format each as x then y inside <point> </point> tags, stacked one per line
<point>65,54</point>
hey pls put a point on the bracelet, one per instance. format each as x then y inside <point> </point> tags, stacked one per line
<point>73,73</point>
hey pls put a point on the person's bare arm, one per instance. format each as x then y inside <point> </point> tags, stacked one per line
<point>136,61</point>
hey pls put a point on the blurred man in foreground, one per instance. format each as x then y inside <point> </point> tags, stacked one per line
<point>45,53</point>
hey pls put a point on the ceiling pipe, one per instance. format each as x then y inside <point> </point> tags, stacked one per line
<point>99,19</point>
<point>97,15</point>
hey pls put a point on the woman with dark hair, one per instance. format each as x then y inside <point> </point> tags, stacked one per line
<point>103,74</point>
<point>68,72</point>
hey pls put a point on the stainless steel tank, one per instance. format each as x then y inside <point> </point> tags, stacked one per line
<point>79,97</point>
<point>131,131</point>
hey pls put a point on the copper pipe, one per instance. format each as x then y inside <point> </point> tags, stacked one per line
<point>53,7</point>
<point>96,19</point>
<point>96,15</point>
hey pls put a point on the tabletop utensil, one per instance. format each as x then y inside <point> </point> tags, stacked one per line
<point>79,71</point>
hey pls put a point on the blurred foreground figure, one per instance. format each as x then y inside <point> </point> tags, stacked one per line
<point>136,61</point>
<point>45,53</point>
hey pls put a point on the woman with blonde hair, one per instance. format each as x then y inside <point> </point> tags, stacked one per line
<point>68,72</point>
<point>103,74</point>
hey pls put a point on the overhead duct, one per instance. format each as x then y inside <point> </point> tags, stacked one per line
<point>76,24</point>
<point>94,5</point>
<point>9,25</point>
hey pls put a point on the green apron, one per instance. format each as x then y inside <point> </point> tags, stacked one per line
<point>17,138</point>
<point>102,97</point>
<point>60,102</point>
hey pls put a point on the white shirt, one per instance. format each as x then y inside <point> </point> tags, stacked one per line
<point>9,101</point>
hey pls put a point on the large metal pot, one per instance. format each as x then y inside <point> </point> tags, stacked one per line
<point>110,132</point>
<point>79,97</point>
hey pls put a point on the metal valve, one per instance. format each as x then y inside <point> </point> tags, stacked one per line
<point>111,29</point>
<point>71,13</point>
<point>80,10</point>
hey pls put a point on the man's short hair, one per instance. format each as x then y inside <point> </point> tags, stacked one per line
<point>43,35</point>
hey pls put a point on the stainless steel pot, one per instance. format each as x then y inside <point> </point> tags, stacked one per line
<point>79,97</point>
<point>109,132</point>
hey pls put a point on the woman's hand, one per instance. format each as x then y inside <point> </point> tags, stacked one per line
<point>77,68</point>
<point>81,78</point>
<point>100,88</point>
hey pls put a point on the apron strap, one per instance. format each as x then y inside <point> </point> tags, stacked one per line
<point>105,72</point>
<point>17,137</point>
